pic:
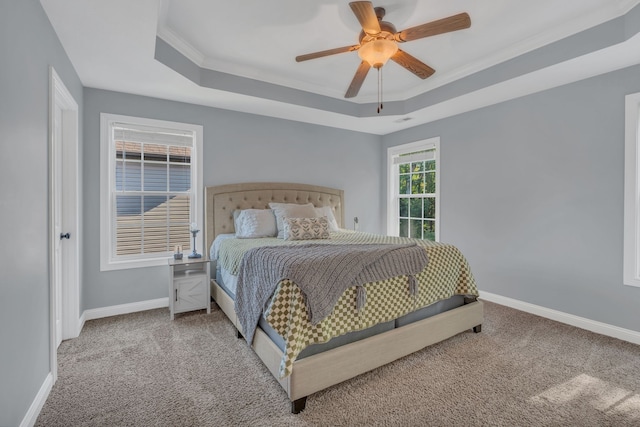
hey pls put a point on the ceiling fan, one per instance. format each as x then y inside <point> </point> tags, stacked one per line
<point>378,42</point>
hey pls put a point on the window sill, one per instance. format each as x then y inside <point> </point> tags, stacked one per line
<point>138,263</point>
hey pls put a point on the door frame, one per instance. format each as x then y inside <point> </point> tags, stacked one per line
<point>59,96</point>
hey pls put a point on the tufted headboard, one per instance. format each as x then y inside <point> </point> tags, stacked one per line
<point>222,200</point>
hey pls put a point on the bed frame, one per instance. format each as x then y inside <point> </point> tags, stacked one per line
<point>317,372</point>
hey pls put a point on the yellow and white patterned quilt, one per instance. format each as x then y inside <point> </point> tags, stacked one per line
<point>447,274</point>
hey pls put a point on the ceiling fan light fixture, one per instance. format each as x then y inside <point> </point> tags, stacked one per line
<point>377,52</point>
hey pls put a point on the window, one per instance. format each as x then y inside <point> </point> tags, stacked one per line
<point>150,190</point>
<point>413,182</point>
<point>631,264</point>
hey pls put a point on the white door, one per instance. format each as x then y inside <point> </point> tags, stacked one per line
<point>64,217</point>
<point>57,187</point>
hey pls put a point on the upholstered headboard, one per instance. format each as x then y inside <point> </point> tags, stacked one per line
<point>222,200</point>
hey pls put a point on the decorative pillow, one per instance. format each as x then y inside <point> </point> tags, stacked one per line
<point>255,223</point>
<point>306,228</point>
<point>328,212</point>
<point>291,210</point>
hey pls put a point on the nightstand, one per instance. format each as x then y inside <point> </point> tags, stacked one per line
<point>189,285</point>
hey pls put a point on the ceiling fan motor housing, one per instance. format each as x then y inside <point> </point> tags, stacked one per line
<point>387,32</point>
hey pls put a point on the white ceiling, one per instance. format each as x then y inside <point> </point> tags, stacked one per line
<point>112,43</point>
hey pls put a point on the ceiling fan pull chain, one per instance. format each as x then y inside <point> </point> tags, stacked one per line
<point>378,90</point>
<point>381,88</point>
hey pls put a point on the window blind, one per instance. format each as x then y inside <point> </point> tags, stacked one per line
<point>420,156</point>
<point>151,135</point>
<point>153,189</point>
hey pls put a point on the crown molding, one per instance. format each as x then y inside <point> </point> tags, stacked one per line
<point>626,5</point>
<point>174,40</point>
<point>179,44</point>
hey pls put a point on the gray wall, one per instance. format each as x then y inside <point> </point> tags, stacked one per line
<point>28,45</point>
<point>532,193</point>
<point>238,147</point>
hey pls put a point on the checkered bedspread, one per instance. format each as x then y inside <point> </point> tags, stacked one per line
<point>447,274</point>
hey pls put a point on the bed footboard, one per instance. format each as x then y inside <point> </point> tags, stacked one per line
<point>317,372</point>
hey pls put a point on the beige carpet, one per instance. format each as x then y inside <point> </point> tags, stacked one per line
<point>144,370</point>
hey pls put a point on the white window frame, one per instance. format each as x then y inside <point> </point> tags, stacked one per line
<point>107,181</point>
<point>631,261</point>
<point>393,184</point>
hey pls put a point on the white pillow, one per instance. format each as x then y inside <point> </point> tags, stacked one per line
<point>291,210</point>
<point>328,212</point>
<point>255,223</point>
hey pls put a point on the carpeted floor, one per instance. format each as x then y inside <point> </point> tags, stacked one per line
<point>142,369</point>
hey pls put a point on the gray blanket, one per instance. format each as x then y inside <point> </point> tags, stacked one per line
<point>322,272</point>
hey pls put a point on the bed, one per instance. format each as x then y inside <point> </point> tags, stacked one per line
<point>341,357</point>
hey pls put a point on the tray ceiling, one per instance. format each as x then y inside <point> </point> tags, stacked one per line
<point>114,45</point>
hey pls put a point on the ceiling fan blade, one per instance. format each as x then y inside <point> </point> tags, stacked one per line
<point>322,53</point>
<point>366,16</point>
<point>412,64</point>
<point>441,26</point>
<point>358,79</point>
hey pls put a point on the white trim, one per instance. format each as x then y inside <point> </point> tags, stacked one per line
<point>134,307</point>
<point>631,233</point>
<point>172,39</point>
<point>107,179</point>
<point>181,45</point>
<point>392,201</point>
<point>31,416</point>
<point>569,319</point>
<point>625,6</point>
<point>137,263</point>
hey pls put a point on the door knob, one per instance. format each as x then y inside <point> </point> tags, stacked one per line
<point>65,236</point>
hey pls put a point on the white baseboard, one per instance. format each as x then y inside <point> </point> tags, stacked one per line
<point>114,310</point>
<point>36,406</point>
<point>559,316</point>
